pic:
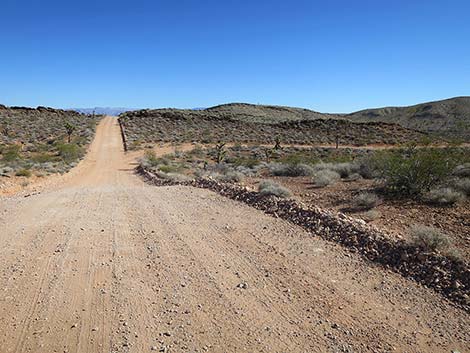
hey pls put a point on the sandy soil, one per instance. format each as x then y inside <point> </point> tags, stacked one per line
<point>97,261</point>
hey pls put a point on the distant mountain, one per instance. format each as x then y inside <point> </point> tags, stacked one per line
<point>450,117</point>
<point>103,111</point>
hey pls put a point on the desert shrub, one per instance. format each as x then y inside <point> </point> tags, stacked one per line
<point>344,169</point>
<point>230,177</point>
<point>168,168</point>
<point>11,153</point>
<point>371,215</point>
<point>325,177</point>
<point>429,238</point>
<point>151,158</point>
<point>69,152</point>
<point>23,173</point>
<point>42,158</point>
<point>366,200</point>
<point>462,170</point>
<point>443,196</point>
<point>249,162</point>
<point>174,177</point>
<point>354,177</point>
<point>412,172</point>
<point>291,170</point>
<point>300,157</point>
<point>197,151</point>
<point>267,187</point>
<point>462,185</point>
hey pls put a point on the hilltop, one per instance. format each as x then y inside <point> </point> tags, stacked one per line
<point>449,117</point>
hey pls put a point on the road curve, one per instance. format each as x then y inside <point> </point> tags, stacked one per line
<point>100,262</point>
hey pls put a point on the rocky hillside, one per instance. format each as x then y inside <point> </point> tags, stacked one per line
<point>36,141</point>
<point>265,113</point>
<point>222,124</point>
<point>41,125</point>
<point>450,117</point>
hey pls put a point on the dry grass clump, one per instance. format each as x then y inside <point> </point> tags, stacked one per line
<point>443,196</point>
<point>268,187</point>
<point>366,200</point>
<point>429,238</point>
<point>462,185</point>
<point>371,215</point>
<point>325,177</point>
<point>462,170</point>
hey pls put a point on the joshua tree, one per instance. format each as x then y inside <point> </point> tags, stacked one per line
<point>69,128</point>
<point>337,140</point>
<point>220,152</point>
<point>277,143</point>
<point>268,154</point>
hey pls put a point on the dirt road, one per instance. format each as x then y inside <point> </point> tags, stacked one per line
<point>100,262</point>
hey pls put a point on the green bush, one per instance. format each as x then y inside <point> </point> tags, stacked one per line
<point>414,171</point>
<point>11,153</point>
<point>69,152</point>
<point>43,158</point>
<point>23,173</point>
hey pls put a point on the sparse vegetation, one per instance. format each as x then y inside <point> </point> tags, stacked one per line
<point>325,177</point>
<point>38,139</point>
<point>23,173</point>
<point>414,171</point>
<point>206,126</point>
<point>291,170</point>
<point>462,185</point>
<point>429,238</point>
<point>443,196</point>
<point>268,187</point>
<point>366,200</point>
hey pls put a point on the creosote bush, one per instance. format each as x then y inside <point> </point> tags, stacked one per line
<point>429,238</point>
<point>414,171</point>
<point>268,187</point>
<point>23,173</point>
<point>69,152</point>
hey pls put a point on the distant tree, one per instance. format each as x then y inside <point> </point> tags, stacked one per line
<point>70,129</point>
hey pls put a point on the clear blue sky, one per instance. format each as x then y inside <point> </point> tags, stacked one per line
<point>331,56</point>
